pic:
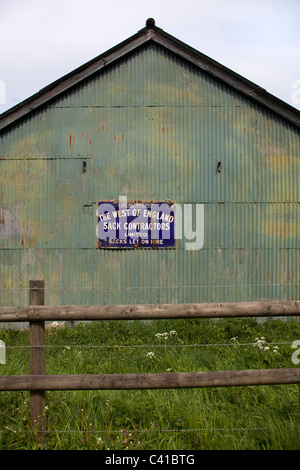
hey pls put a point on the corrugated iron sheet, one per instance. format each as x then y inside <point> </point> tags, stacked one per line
<point>152,127</point>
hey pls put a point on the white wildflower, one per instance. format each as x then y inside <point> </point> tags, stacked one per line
<point>260,342</point>
<point>150,354</point>
<point>162,335</point>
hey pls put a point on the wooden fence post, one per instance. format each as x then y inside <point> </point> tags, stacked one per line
<point>37,360</point>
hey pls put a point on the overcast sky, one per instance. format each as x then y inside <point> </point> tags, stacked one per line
<point>42,40</point>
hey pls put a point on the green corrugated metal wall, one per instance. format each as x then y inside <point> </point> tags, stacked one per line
<point>150,127</point>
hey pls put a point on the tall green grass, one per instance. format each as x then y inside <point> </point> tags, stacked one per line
<point>253,417</point>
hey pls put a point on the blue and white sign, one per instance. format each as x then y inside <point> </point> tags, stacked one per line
<point>121,224</point>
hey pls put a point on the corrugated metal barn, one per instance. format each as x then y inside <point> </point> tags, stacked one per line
<point>151,120</point>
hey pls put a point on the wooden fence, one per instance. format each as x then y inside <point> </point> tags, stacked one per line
<point>38,381</point>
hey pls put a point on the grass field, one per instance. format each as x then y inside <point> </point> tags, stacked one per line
<point>237,418</point>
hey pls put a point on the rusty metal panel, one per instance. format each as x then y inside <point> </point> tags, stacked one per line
<point>151,127</point>
<point>80,277</point>
<point>44,203</point>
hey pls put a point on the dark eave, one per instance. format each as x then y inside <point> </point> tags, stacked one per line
<point>151,33</point>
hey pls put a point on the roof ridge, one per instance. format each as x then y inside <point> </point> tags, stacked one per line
<point>150,33</point>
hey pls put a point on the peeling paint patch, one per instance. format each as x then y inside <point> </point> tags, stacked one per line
<point>9,225</point>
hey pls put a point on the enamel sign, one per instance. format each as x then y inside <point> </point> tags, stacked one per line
<point>121,224</point>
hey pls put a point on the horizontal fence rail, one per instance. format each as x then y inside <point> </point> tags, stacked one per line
<point>230,378</point>
<point>148,311</point>
<point>38,381</point>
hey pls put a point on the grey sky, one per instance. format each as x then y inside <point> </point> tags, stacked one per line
<point>42,40</point>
